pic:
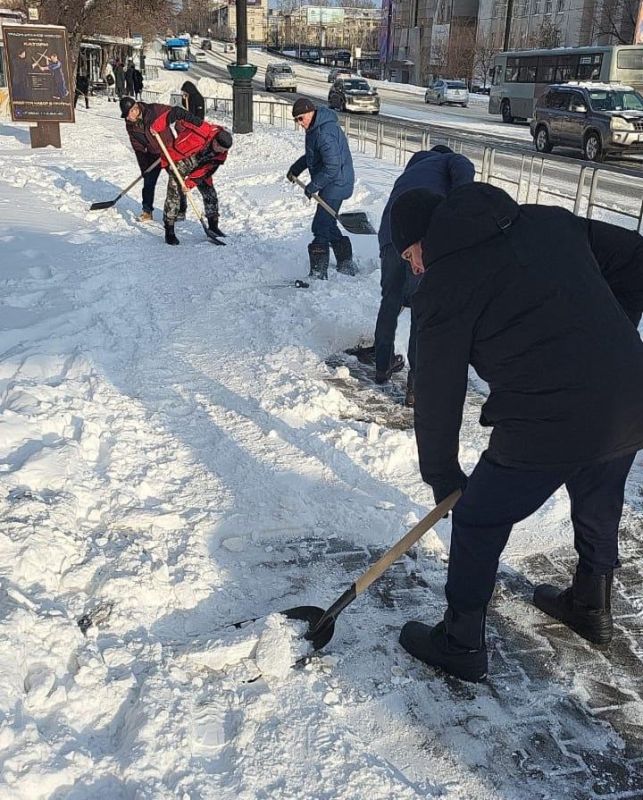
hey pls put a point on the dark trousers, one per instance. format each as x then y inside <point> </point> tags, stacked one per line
<point>497,497</point>
<point>398,284</point>
<point>149,185</point>
<point>325,229</point>
<point>78,94</point>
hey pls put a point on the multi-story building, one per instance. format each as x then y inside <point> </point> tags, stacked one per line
<point>325,26</point>
<point>422,38</point>
<point>224,19</point>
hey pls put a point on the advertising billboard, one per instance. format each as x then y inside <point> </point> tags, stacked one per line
<point>40,88</point>
<point>324,15</point>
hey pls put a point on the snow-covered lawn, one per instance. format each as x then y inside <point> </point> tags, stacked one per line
<point>174,457</point>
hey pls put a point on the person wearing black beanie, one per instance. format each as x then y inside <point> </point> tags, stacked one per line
<point>544,307</point>
<point>427,178</point>
<point>330,167</point>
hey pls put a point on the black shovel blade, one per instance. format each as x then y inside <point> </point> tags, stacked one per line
<point>318,637</point>
<point>356,222</point>
<point>103,205</point>
<point>212,237</point>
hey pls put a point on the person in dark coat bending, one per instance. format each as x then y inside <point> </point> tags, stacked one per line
<point>330,166</point>
<point>439,170</point>
<point>193,100</point>
<point>544,306</point>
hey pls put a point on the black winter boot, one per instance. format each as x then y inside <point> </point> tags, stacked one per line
<point>213,225</point>
<point>455,645</point>
<point>170,236</point>
<point>319,255</point>
<point>585,607</point>
<point>343,251</point>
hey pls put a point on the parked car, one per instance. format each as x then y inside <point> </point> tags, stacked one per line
<point>199,55</point>
<point>354,94</point>
<point>599,119</point>
<point>228,47</point>
<point>206,44</point>
<point>442,91</point>
<point>280,78</point>
<point>338,72</point>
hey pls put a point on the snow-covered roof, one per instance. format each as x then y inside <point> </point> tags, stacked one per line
<point>607,87</point>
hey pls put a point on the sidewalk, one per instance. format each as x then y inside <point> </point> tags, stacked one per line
<point>177,454</point>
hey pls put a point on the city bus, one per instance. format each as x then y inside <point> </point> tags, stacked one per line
<point>519,77</point>
<point>176,53</point>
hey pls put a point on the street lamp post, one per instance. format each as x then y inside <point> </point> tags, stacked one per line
<point>242,74</point>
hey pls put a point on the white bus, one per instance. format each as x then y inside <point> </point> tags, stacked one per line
<point>519,77</point>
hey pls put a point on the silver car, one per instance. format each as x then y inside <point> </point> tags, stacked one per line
<point>280,78</point>
<point>443,91</point>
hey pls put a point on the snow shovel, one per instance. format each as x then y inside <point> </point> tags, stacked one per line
<point>202,218</point>
<point>353,221</point>
<point>109,203</point>
<point>322,623</point>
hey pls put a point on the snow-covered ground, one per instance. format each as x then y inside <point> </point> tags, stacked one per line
<point>175,456</point>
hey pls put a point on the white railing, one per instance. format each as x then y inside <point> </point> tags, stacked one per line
<point>614,193</point>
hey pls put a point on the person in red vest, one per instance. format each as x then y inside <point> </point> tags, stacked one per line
<point>197,148</point>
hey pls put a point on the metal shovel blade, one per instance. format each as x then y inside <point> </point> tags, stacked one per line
<point>312,615</point>
<point>103,204</point>
<point>356,222</point>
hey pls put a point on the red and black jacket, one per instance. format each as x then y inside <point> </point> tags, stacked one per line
<point>193,136</point>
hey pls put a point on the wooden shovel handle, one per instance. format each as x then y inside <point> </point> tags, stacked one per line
<point>382,564</point>
<point>177,174</point>
<point>317,198</point>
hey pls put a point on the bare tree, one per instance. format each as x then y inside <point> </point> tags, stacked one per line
<point>546,37</point>
<point>616,20</point>
<point>116,17</point>
<point>357,4</point>
<point>486,47</point>
<point>461,51</point>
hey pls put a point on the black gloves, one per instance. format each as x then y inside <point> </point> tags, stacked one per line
<point>446,484</point>
<point>310,190</point>
<point>291,176</point>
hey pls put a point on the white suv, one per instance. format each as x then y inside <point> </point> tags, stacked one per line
<point>280,78</point>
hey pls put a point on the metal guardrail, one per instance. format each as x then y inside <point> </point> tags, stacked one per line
<point>581,187</point>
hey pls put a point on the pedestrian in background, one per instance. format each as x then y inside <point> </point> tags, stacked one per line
<point>439,170</point>
<point>330,166</point>
<point>82,89</point>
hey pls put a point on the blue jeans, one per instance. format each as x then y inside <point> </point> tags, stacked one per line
<point>149,185</point>
<point>398,284</point>
<point>498,497</point>
<point>324,227</point>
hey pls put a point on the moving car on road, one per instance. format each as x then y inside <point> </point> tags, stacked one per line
<point>443,91</point>
<point>280,78</point>
<point>354,94</point>
<point>599,119</point>
<point>338,72</point>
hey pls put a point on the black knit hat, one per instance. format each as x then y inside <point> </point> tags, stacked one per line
<point>302,106</point>
<point>411,216</point>
<point>441,148</point>
<point>224,139</point>
<point>126,103</point>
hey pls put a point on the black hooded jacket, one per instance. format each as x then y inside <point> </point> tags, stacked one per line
<point>516,291</point>
<point>195,101</point>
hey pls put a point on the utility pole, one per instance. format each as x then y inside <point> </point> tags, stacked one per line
<point>242,74</point>
<point>510,11</point>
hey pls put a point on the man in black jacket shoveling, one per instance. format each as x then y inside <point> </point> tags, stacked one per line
<point>542,305</point>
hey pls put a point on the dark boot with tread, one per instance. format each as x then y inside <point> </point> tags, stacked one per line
<point>319,256</point>
<point>343,251</point>
<point>170,236</point>
<point>456,645</point>
<point>585,607</point>
<point>213,225</point>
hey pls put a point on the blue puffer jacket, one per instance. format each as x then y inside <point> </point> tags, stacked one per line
<point>437,172</point>
<point>328,158</point>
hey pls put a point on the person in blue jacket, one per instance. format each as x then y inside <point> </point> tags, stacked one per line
<point>439,170</point>
<point>330,165</point>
